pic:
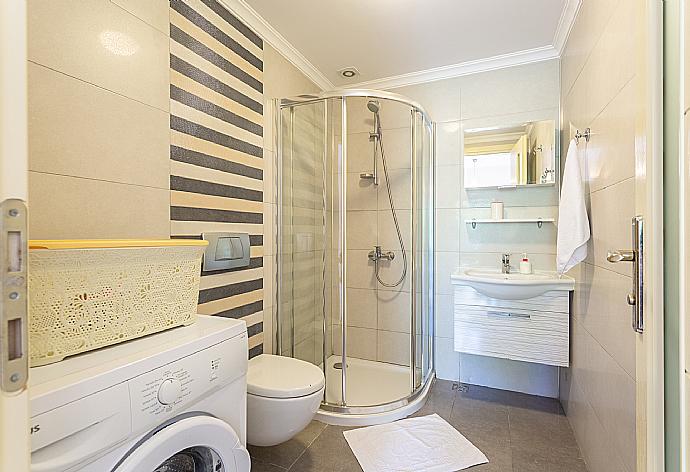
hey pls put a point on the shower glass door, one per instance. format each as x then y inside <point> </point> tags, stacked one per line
<point>303,259</point>
<point>423,240</point>
<point>355,255</point>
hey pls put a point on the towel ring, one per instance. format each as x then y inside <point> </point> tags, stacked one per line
<point>587,134</point>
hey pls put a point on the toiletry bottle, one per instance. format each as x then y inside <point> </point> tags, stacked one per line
<point>525,264</point>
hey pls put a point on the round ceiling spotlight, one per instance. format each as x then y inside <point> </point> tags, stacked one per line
<point>349,72</point>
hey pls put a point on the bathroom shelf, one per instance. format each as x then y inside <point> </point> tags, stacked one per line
<point>538,221</point>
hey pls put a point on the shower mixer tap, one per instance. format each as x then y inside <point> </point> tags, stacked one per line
<point>377,254</point>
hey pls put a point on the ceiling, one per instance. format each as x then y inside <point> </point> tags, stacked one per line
<point>390,38</point>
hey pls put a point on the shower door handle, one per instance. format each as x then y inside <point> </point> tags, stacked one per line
<point>636,256</point>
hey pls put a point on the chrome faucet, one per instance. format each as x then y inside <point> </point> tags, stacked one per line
<point>378,254</point>
<point>505,263</point>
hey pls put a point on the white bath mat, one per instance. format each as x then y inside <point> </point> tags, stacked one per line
<point>423,444</point>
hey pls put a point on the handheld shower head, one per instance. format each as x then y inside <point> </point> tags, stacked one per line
<point>373,105</point>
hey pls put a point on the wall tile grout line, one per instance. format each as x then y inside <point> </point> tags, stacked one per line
<point>98,86</point>
<point>94,179</point>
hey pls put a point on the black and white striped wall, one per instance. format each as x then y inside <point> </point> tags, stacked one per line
<point>216,151</point>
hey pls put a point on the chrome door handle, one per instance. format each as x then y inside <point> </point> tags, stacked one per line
<point>508,315</point>
<point>636,256</point>
<point>621,256</point>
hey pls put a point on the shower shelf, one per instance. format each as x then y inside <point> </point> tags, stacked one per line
<point>538,221</point>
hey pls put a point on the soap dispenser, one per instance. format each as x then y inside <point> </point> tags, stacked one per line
<point>525,264</point>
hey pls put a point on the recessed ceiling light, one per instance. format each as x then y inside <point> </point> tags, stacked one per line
<point>349,72</point>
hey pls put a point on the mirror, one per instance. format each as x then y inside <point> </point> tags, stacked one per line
<point>506,156</point>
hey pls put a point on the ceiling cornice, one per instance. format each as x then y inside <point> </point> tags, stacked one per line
<point>464,68</point>
<point>256,22</point>
<point>263,28</point>
<point>565,24</point>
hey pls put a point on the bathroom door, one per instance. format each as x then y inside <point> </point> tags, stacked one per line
<point>14,396</point>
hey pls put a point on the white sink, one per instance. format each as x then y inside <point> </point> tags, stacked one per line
<point>516,286</point>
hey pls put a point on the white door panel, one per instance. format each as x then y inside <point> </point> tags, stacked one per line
<point>14,397</point>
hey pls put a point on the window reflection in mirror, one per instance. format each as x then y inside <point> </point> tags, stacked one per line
<point>523,154</point>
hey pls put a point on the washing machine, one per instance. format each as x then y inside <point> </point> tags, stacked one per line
<point>169,402</point>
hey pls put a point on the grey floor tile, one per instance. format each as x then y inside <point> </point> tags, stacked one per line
<point>528,461</point>
<point>517,432</point>
<point>330,452</point>
<point>440,400</point>
<point>285,454</point>
<point>543,434</point>
<point>262,467</point>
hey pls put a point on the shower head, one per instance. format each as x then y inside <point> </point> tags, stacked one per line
<point>373,105</point>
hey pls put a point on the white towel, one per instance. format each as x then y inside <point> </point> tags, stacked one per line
<point>573,222</point>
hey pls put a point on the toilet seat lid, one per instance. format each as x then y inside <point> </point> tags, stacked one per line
<point>283,377</point>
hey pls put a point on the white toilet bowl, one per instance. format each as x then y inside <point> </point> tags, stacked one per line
<point>283,395</point>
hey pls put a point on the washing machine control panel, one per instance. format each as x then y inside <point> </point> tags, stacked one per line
<point>163,392</point>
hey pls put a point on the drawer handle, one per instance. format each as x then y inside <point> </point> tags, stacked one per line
<point>508,315</point>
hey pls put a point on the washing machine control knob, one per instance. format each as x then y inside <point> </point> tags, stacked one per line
<point>169,391</point>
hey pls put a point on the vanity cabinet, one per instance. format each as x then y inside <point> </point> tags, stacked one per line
<point>532,330</point>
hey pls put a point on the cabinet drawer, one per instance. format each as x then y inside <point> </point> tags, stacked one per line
<point>517,334</point>
<point>555,301</point>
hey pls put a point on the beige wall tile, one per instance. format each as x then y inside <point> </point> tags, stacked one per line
<point>446,359</point>
<point>81,130</point>
<point>281,78</point>
<point>612,63</point>
<point>441,99</point>
<point>393,348</point>
<point>448,187</point>
<point>65,208</point>
<point>361,194</point>
<point>599,91</point>
<point>595,443</point>
<point>361,308</point>
<point>360,152</point>
<point>388,236</point>
<point>444,313</point>
<point>446,264</point>
<point>513,90</point>
<point>361,342</point>
<point>401,189</point>
<point>153,12</point>
<point>448,227</point>
<point>269,228</point>
<point>394,310</point>
<point>611,394</point>
<point>610,156</point>
<point>611,212</point>
<point>360,270</point>
<point>397,144</point>
<point>448,138</point>
<point>598,309</point>
<point>100,43</point>
<point>362,229</point>
<point>268,175</point>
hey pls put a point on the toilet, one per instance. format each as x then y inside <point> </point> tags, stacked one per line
<point>283,395</point>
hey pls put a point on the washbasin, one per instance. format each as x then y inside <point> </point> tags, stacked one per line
<point>515,286</point>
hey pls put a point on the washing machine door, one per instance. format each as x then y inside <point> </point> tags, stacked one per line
<point>192,444</point>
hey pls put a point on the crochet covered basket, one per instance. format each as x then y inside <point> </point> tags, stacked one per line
<point>88,294</point>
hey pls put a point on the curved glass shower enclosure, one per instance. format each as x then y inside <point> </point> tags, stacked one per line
<point>354,261</point>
